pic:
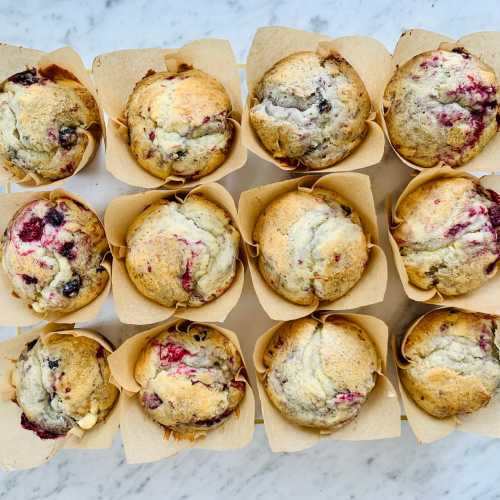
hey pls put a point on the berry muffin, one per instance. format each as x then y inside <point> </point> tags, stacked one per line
<point>320,374</point>
<point>441,106</point>
<point>310,110</point>
<point>45,119</point>
<point>189,380</point>
<point>63,382</point>
<point>179,124</point>
<point>449,237</point>
<point>182,253</point>
<point>453,365</point>
<point>52,251</point>
<point>311,246</point>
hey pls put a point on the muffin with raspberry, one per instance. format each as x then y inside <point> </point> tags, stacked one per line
<point>312,246</point>
<point>52,253</point>
<point>179,124</point>
<point>46,117</point>
<point>191,379</point>
<point>182,253</point>
<point>63,382</point>
<point>448,235</point>
<point>319,374</point>
<point>441,107</point>
<point>452,362</point>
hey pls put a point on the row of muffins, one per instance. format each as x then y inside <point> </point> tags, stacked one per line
<point>308,110</point>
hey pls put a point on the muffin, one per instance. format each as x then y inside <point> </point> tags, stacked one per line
<point>45,119</point>
<point>179,124</point>
<point>52,253</point>
<point>310,110</point>
<point>182,253</point>
<point>63,382</point>
<point>189,380</point>
<point>449,237</point>
<point>311,246</point>
<point>441,106</point>
<point>319,374</point>
<point>453,364</point>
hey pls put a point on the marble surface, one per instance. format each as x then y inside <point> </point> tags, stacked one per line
<point>461,466</point>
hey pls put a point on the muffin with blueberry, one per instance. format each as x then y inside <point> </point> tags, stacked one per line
<point>310,110</point>
<point>320,374</point>
<point>452,365</point>
<point>191,380</point>
<point>441,107</point>
<point>52,254</point>
<point>448,235</point>
<point>63,382</point>
<point>179,124</point>
<point>46,118</point>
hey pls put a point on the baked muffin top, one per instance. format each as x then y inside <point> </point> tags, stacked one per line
<point>52,253</point>
<point>310,110</point>
<point>179,123</point>
<point>319,374</point>
<point>442,107</point>
<point>188,379</point>
<point>449,237</point>
<point>63,381</point>
<point>44,120</point>
<point>182,253</point>
<point>311,246</point>
<point>453,365</point>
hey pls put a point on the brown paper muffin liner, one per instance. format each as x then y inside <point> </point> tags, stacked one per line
<point>131,306</point>
<point>145,440</point>
<point>356,189</point>
<point>484,299</point>
<point>427,428</point>
<point>15,59</point>
<point>23,449</point>
<point>116,74</point>
<point>485,45</point>
<point>379,417</point>
<point>15,312</point>
<point>368,57</point>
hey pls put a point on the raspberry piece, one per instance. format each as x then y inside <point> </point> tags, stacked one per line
<point>32,230</point>
<point>172,353</point>
<point>41,433</point>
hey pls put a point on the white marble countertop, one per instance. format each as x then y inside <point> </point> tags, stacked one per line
<point>461,466</point>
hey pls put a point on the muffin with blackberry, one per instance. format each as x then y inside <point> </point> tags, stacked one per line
<point>46,117</point>
<point>52,253</point>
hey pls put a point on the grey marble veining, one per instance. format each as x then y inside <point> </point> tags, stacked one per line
<point>460,467</point>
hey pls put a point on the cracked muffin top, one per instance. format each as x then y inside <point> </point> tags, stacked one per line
<point>453,365</point>
<point>63,381</point>
<point>182,253</point>
<point>449,237</point>
<point>441,107</point>
<point>311,246</point>
<point>310,110</point>
<point>319,374</point>
<point>44,123</point>
<point>179,124</point>
<point>52,253</point>
<point>188,379</point>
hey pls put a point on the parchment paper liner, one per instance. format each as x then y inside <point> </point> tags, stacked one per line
<point>15,59</point>
<point>368,57</point>
<point>379,417</point>
<point>427,428</point>
<point>15,312</point>
<point>485,45</point>
<point>116,74</point>
<point>355,188</point>
<point>23,449</point>
<point>131,306</point>
<point>484,299</point>
<point>146,441</point>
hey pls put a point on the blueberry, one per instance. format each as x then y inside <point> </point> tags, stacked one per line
<point>324,106</point>
<point>31,344</point>
<point>66,250</point>
<point>347,210</point>
<point>29,280</point>
<point>26,78</point>
<point>53,363</point>
<point>67,137</point>
<point>72,287</point>
<point>54,217</point>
